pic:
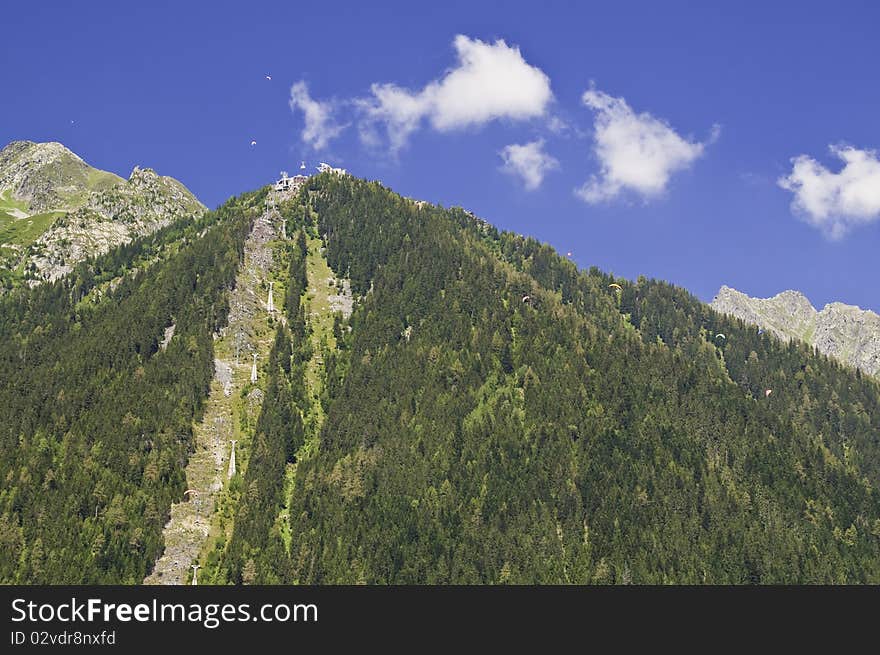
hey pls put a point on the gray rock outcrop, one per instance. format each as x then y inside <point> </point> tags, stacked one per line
<point>81,211</point>
<point>845,332</point>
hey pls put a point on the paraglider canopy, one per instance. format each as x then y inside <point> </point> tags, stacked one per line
<point>720,336</point>
<point>614,285</point>
<point>526,298</point>
<point>253,143</point>
<point>767,392</point>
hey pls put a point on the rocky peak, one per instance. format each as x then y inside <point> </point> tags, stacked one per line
<point>39,153</point>
<point>846,332</point>
<point>83,211</point>
<point>796,300</point>
<point>47,176</point>
<point>139,174</point>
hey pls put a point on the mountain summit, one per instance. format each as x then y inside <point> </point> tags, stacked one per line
<point>846,332</point>
<point>56,210</point>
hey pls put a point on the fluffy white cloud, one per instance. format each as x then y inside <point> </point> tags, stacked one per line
<point>836,202</point>
<point>637,152</point>
<point>490,81</point>
<point>529,162</point>
<point>400,110</point>
<point>320,127</point>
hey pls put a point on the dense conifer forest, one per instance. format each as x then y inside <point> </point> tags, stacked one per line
<point>490,414</point>
<point>96,415</point>
<point>508,418</point>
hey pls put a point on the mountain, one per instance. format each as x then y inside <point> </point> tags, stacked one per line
<point>413,396</point>
<point>845,332</point>
<point>56,210</point>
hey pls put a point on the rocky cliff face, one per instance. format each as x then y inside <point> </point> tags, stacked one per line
<point>56,210</point>
<point>48,176</point>
<point>848,333</point>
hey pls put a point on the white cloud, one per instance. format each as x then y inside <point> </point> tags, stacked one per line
<point>490,81</point>
<point>637,152</point>
<point>836,202</point>
<point>529,162</point>
<point>320,127</point>
<point>400,111</point>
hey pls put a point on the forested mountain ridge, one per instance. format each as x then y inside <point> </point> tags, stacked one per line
<point>488,413</point>
<point>56,210</point>
<point>848,333</point>
<point>504,417</point>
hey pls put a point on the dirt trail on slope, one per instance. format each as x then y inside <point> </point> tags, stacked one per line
<point>246,333</point>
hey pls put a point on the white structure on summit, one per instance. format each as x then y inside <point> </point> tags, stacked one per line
<point>254,369</point>
<point>283,183</point>
<point>231,470</point>
<point>324,167</point>
<point>195,568</point>
<point>286,183</point>
<point>271,303</point>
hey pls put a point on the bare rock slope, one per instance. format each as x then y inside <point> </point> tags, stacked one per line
<point>56,210</point>
<point>845,332</point>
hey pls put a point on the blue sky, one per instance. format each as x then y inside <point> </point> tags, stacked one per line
<point>696,114</point>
